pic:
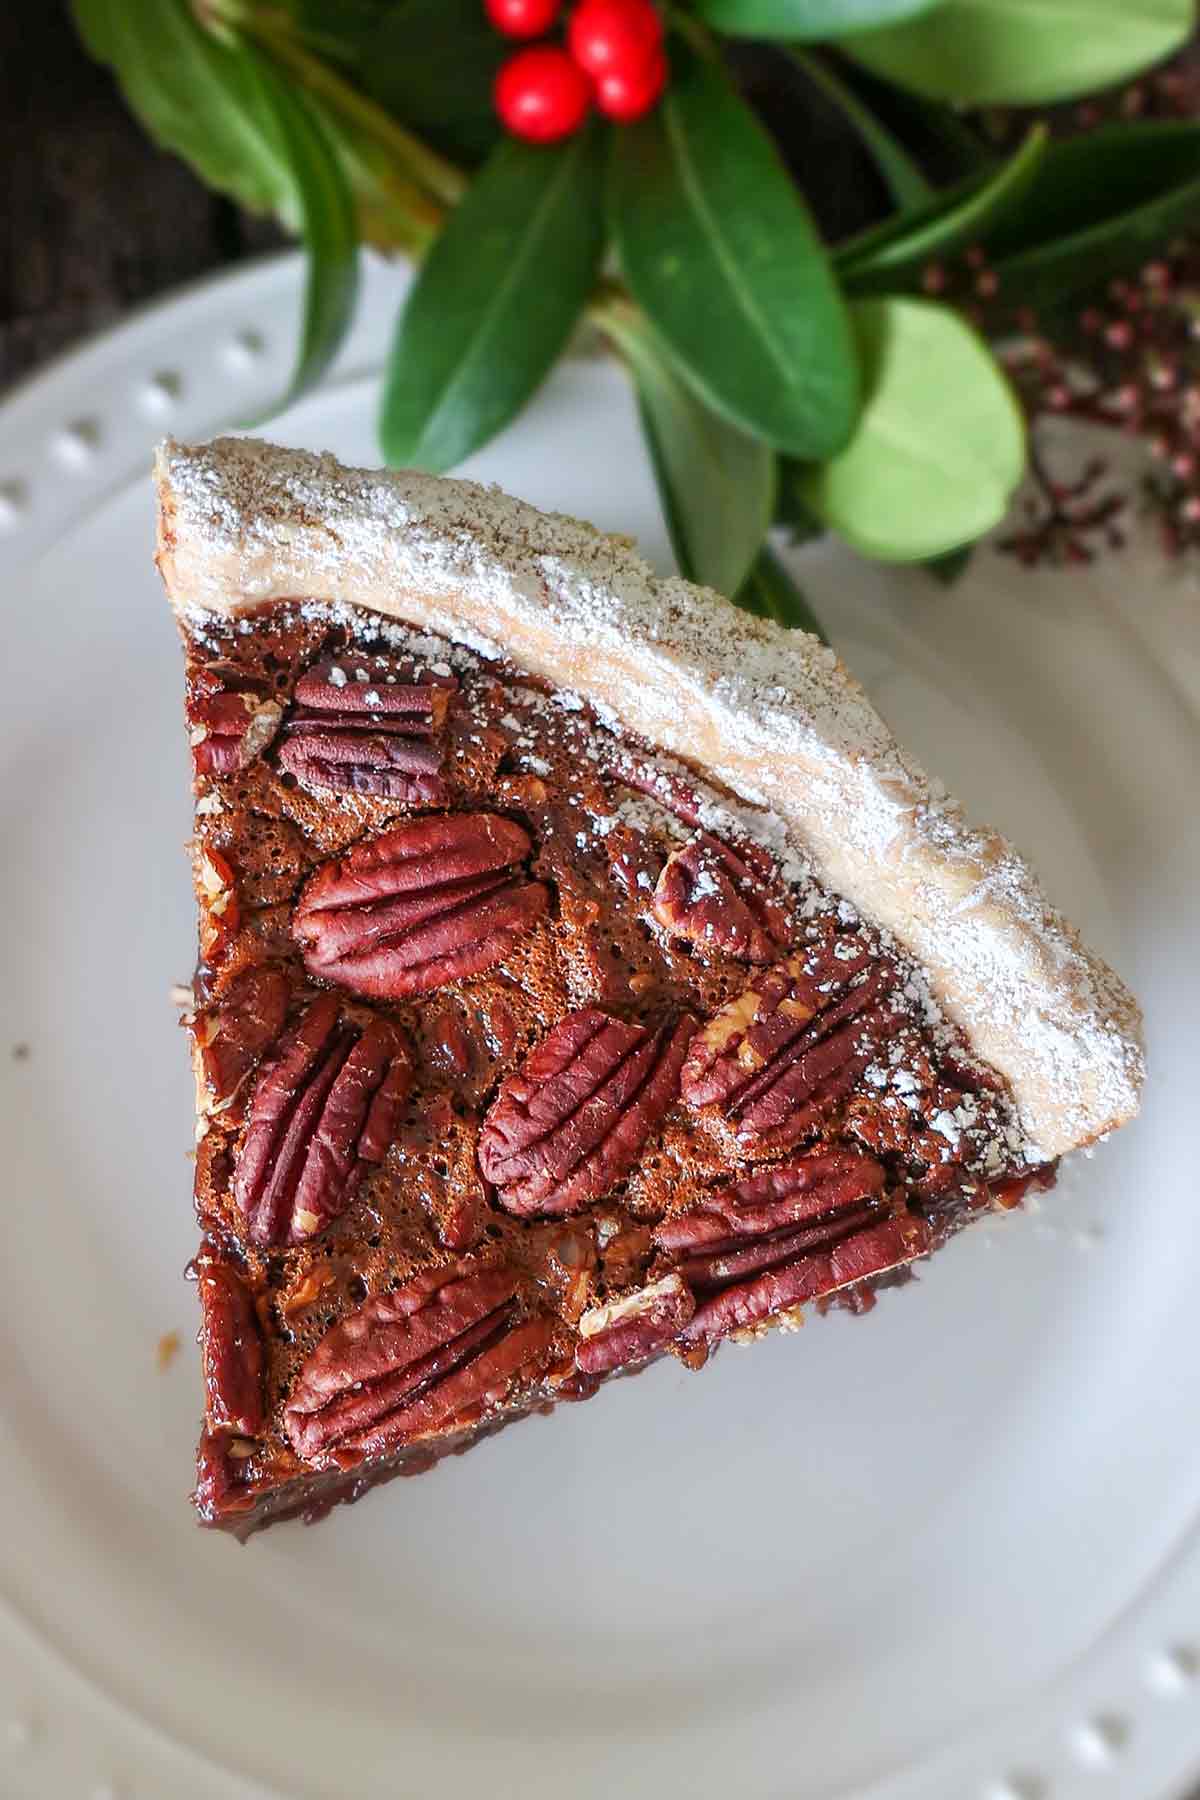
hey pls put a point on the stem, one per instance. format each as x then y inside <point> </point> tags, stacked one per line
<point>613,312</point>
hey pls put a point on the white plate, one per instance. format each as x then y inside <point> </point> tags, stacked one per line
<point>948,1550</point>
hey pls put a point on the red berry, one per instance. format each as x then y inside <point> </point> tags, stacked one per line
<point>625,94</point>
<point>542,95</point>
<point>605,36</point>
<point>522,18</point>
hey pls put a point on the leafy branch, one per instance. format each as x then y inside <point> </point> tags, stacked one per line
<point>779,378</point>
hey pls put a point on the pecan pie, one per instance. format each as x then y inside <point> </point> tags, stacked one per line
<point>586,976</point>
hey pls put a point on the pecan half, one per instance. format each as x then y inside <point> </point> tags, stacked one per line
<point>709,895</point>
<point>771,1218</point>
<point>369,727</point>
<point>438,1352</point>
<point>232,1348</point>
<point>232,718</point>
<point>635,1328</point>
<point>868,1252</point>
<point>323,1109</point>
<point>776,1062</point>
<point>427,903</point>
<point>228,1039</point>
<point>573,1120</point>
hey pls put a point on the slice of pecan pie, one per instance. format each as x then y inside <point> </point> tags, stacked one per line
<point>585,975</point>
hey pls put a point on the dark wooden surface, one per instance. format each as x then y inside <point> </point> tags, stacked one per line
<point>93,219</point>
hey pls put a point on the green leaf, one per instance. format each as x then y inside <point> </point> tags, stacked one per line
<point>1023,52</point>
<point>248,133</point>
<point>805,21</point>
<point>906,184</point>
<point>890,256</point>
<point>195,95</point>
<point>1055,220</point>
<point>329,227</point>
<point>717,486</point>
<point>720,250</point>
<point>770,593</point>
<point>1098,203</point>
<point>494,301</point>
<point>940,445</point>
<point>432,63</point>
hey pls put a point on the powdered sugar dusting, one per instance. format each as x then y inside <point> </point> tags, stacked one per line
<point>771,713</point>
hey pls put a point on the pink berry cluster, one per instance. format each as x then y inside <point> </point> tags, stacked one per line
<point>613,58</point>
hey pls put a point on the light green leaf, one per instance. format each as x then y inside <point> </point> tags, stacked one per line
<point>717,486</point>
<point>195,95</point>
<point>494,301</point>
<point>891,255</point>
<point>246,131</point>
<point>906,184</point>
<point>805,21</point>
<point>720,251</point>
<point>770,593</point>
<point>940,444</point>
<point>1023,52</point>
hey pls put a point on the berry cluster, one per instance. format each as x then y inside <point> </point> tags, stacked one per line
<point>613,56</point>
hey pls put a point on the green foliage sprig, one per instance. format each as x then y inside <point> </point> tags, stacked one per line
<point>779,377</point>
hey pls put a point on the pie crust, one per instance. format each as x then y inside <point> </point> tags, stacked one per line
<point>771,713</point>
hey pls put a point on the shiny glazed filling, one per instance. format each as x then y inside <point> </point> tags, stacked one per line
<point>524,1055</point>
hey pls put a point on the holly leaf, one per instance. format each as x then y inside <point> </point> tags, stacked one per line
<point>770,593</point>
<point>893,255</point>
<point>1097,204</point>
<point>939,446</point>
<point>805,21</point>
<point>719,249</point>
<point>717,486</point>
<point>1022,52</point>
<point>495,301</point>
<point>246,132</point>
